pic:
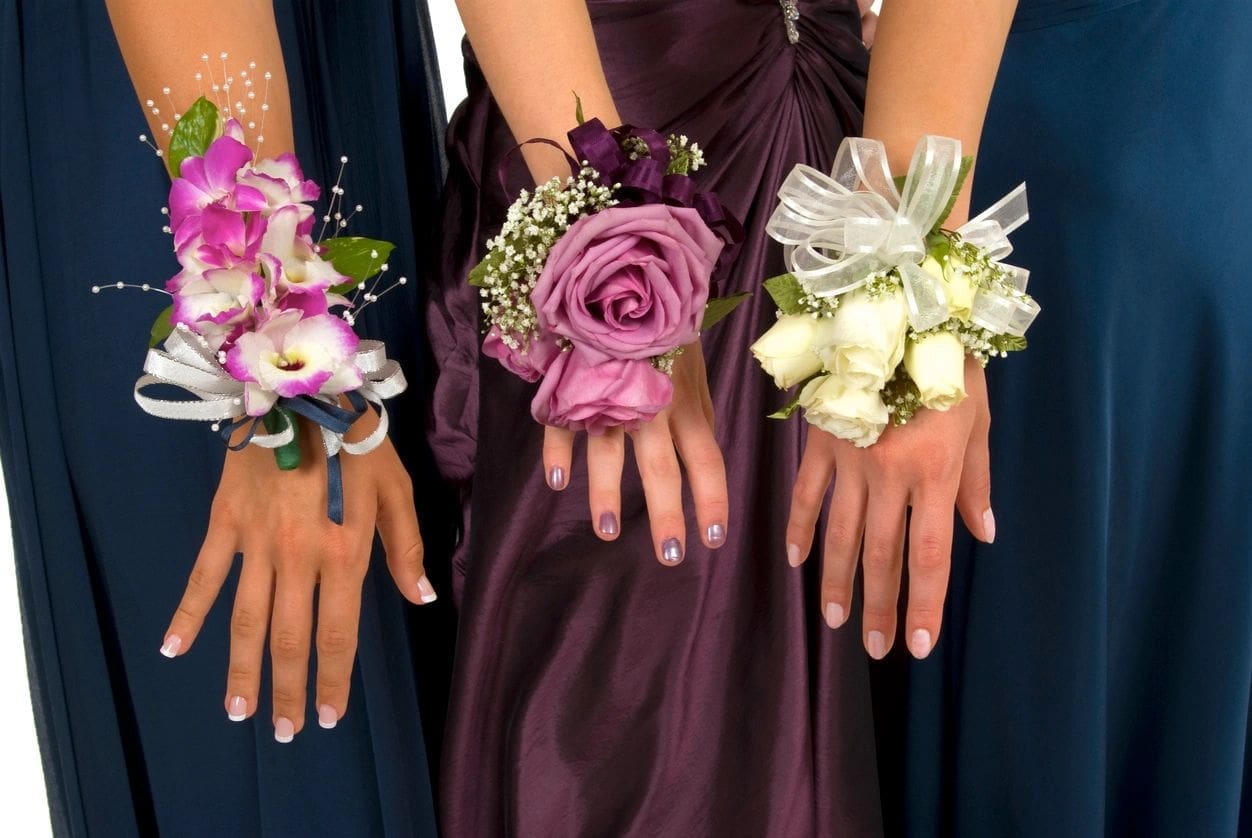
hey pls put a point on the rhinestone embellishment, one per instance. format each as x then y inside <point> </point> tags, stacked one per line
<point>791,14</point>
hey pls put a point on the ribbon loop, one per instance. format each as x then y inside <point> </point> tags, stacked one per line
<point>187,362</point>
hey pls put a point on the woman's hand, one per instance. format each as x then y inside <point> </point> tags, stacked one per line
<point>277,519</point>
<point>684,429</point>
<point>936,460</point>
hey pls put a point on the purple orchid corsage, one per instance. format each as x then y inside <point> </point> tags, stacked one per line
<point>595,284</point>
<point>260,327</point>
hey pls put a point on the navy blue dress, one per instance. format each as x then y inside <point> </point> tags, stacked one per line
<point>109,504</point>
<point>1095,669</point>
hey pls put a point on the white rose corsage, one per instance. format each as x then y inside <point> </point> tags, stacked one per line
<point>881,303</point>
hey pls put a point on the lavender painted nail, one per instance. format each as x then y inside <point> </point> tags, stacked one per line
<point>556,478</point>
<point>608,523</point>
<point>715,535</point>
<point>672,550</point>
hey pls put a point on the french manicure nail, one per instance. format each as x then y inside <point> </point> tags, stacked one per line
<point>608,523</point>
<point>672,550</point>
<point>425,590</point>
<point>327,717</point>
<point>556,478</point>
<point>834,615</point>
<point>237,710</point>
<point>793,555</point>
<point>920,643</point>
<point>876,643</point>
<point>284,730</point>
<point>171,645</point>
<point>715,535</point>
<point>989,526</point>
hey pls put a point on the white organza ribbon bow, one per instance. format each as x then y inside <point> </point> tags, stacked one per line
<point>842,228</point>
<point>190,364</point>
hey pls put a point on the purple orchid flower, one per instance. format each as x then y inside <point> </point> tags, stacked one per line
<point>211,179</point>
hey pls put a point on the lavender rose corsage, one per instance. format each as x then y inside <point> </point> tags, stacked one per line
<point>260,328</point>
<point>594,284</point>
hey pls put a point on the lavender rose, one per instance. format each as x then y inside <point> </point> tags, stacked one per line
<point>527,362</point>
<point>628,283</point>
<point>580,394</point>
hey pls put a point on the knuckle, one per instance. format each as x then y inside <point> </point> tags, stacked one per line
<point>331,685</point>
<point>979,483</point>
<point>834,590</point>
<point>879,614</point>
<point>840,535</point>
<point>245,622</point>
<point>239,673</point>
<point>286,644</point>
<point>288,697</point>
<point>659,464</point>
<point>335,642</point>
<point>879,558</point>
<point>808,494</point>
<point>198,581</point>
<point>188,613</point>
<point>930,553</point>
<point>925,615</point>
<point>938,466</point>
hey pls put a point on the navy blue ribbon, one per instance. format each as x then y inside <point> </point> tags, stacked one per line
<point>332,417</point>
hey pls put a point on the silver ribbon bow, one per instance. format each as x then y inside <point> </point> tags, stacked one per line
<point>187,362</point>
<point>841,228</point>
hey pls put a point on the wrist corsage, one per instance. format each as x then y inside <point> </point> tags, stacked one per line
<point>594,284</point>
<point>882,304</point>
<point>260,329</point>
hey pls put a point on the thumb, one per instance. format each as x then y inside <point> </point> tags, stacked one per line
<point>402,541</point>
<point>973,498</point>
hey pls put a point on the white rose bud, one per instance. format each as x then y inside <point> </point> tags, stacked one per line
<point>957,286</point>
<point>788,351</point>
<point>868,339</point>
<point>850,413</point>
<point>936,363</point>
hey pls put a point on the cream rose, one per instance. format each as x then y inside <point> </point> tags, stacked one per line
<point>936,363</point>
<point>868,339</point>
<point>957,287</point>
<point>788,351</point>
<point>850,413</point>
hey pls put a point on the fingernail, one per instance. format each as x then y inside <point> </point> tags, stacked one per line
<point>876,643</point>
<point>834,615</point>
<point>237,710</point>
<point>284,730</point>
<point>171,645</point>
<point>327,717</point>
<point>608,523</point>
<point>988,526</point>
<point>715,535</point>
<point>920,643</point>
<point>793,555</point>
<point>425,590</point>
<point>672,550</point>
<point>556,478</point>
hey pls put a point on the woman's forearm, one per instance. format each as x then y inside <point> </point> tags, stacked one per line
<point>536,55</point>
<point>932,69</point>
<point>162,44</point>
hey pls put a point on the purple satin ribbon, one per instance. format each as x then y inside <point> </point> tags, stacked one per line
<point>644,181</point>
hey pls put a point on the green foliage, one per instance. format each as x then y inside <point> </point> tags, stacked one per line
<point>788,410</point>
<point>276,421</point>
<point>578,109</point>
<point>1007,343</point>
<point>478,275</point>
<point>161,327</point>
<point>353,257</point>
<point>193,132</point>
<point>967,163</point>
<point>787,293</point>
<point>719,308</point>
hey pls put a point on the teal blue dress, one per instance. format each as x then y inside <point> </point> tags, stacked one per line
<point>1094,673</point>
<point>109,504</point>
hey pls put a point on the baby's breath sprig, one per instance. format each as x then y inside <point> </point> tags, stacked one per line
<point>665,363</point>
<point>902,397</point>
<point>685,156</point>
<point>516,255</point>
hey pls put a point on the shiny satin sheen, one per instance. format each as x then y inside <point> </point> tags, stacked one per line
<point>597,692</point>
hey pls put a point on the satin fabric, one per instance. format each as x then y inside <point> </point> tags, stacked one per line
<point>595,691</point>
<point>1094,673</point>
<point>109,504</point>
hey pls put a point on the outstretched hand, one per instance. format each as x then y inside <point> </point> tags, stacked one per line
<point>683,430</point>
<point>277,519</point>
<point>935,461</point>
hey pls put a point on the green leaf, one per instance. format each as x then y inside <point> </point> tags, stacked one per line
<point>1008,343</point>
<point>718,308</point>
<point>967,163</point>
<point>276,421</point>
<point>478,275</point>
<point>578,109</point>
<point>193,132</point>
<point>353,256</point>
<point>161,327</point>
<point>899,181</point>
<point>787,292</point>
